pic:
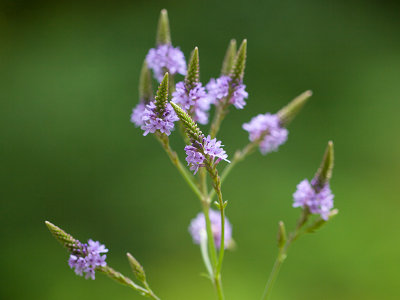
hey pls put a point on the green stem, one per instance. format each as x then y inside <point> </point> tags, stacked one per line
<point>163,139</point>
<point>272,278</point>
<point>117,276</point>
<point>282,254</point>
<point>210,236</point>
<point>211,168</point>
<point>218,285</point>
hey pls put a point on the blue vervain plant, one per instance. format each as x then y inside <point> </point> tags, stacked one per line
<point>188,102</point>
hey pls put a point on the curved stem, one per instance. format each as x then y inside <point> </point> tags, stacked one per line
<point>272,278</point>
<point>210,236</point>
<point>282,254</point>
<point>173,156</point>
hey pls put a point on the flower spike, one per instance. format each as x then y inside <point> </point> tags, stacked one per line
<point>316,196</point>
<point>191,127</point>
<point>136,268</point>
<point>240,63</point>
<point>324,173</point>
<point>289,112</point>
<point>163,31</point>
<point>67,240</point>
<point>161,98</point>
<point>145,86</point>
<point>193,74</point>
<point>229,58</point>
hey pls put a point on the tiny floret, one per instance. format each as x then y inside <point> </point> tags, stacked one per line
<point>152,121</point>
<point>194,101</point>
<point>137,114</point>
<point>88,258</point>
<point>197,152</point>
<point>268,128</point>
<point>223,87</point>
<point>198,229</point>
<point>319,201</point>
<point>166,58</point>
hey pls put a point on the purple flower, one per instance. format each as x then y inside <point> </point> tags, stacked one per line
<point>195,101</point>
<point>319,201</point>
<point>198,229</point>
<point>88,259</point>
<point>196,153</point>
<point>223,87</point>
<point>152,121</point>
<point>269,126</point>
<point>166,58</point>
<point>137,114</point>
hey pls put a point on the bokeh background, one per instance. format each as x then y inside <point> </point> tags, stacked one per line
<point>68,153</point>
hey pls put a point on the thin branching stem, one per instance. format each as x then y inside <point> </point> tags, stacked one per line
<point>282,254</point>
<point>173,156</point>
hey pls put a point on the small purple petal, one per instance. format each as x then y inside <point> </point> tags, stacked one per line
<point>269,125</point>
<point>166,58</point>
<point>320,202</point>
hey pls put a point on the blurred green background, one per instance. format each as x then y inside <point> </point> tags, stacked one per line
<point>68,153</point>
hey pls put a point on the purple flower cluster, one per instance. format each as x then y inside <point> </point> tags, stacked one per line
<point>166,58</point>
<point>198,229</point>
<point>88,259</point>
<point>268,125</point>
<point>152,121</point>
<point>197,152</point>
<point>137,114</point>
<point>319,201</point>
<point>221,87</point>
<point>195,101</point>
